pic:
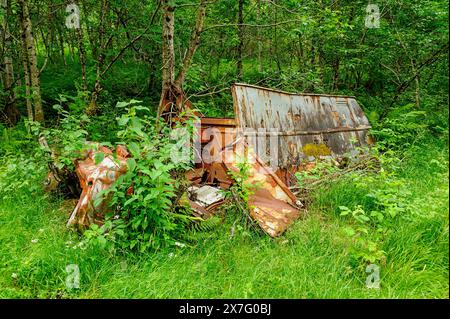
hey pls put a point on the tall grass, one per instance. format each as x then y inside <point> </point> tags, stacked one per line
<point>311,260</point>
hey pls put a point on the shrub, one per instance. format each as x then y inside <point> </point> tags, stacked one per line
<point>145,214</point>
<point>400,131</point>
<point>67,140</point>
<point>21,175</point>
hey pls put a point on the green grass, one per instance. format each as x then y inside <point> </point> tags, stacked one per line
<point>311,260</point>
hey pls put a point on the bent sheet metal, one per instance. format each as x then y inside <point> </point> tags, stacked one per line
<point>301,127</point>
<point>271,202</point>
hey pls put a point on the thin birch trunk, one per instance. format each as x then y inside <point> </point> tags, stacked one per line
<point>27,36</point>
<point>11,110</point>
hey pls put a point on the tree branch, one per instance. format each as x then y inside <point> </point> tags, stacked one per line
<point>402,87</point>
<point>250,25</point>
<point>193,43</point>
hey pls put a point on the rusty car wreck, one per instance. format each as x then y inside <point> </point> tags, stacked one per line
<point>276,132</point>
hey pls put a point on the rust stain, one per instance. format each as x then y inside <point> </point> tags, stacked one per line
<point>297,117</point>
<point>271,203</point>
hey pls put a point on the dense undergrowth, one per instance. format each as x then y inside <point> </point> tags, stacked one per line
<point>394,217</point>
<point>386,215</point>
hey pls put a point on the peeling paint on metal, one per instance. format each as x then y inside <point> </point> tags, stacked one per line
<point>301,119</point>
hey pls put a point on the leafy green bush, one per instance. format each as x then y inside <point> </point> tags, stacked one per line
<point>68,139</point>
<point>21,175</point>
<point>144,200</point>
<point>400,130</point>
<point>15,140</point>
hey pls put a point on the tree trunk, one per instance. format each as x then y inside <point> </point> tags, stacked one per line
<point>28,39</point>
<point>61,46</point>
<point>336,64</point>
<point>82,54</point>
<point>51,32</point>
<point>258,17</point>
<point>168,54</point>
<point>277,55</point>
<point>92,107</point>
<point>414,71</point>
<point>26,72</point>
<point>11,110</point>
<point>416,81</point>
<point>30,112</point>
<point>193,44</point>
<point>172,89</point>
<point>240,47</point>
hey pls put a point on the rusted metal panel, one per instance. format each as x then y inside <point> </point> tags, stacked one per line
<point>95,178</point>
<point>271,203</point>
<point>210,126</point>
<point>326,124</point>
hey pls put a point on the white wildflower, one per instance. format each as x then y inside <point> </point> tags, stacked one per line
<point>179,244</point>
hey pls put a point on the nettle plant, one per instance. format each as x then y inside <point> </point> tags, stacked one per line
<point>369,226</point>
<point>68,139</point>
<point>145,212</point>
<point>21,164</point>
<point>20,175</point>
<point>241,188</point>
<point>401,130</point>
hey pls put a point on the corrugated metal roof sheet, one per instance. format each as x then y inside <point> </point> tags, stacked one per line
<point>335,123</point>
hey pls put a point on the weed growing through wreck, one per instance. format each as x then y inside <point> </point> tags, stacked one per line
<point>238,196</point>
<point>145,214</point>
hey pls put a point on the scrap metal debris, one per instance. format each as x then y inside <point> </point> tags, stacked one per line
<point>272,205</point>
<point>271,202</point>
<point>303,127</point>
<point>205,195</point>
<point>95,178</point>
<point>205,199</point>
